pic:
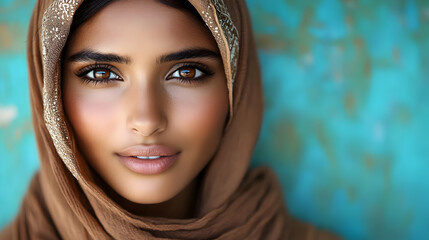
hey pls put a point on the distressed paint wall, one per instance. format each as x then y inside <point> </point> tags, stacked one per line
<point>18,154</point>
<point>345,85</point>
<point>346,92</point>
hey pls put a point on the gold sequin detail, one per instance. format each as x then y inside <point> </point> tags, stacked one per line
<point>55,28</point>
<point>219,21</point>
<point>231,34</point>
<point>229,30</point>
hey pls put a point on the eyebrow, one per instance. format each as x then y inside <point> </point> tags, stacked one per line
<point>91,55</point>
<point>189,53</point>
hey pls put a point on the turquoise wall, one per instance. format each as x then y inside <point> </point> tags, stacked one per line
<point>345,84</point>
<point>18,152</point>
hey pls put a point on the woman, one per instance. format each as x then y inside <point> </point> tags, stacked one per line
<point>146,114</point>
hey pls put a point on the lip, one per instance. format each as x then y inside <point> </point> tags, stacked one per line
<point>148,166</point>
<point>148,150</point>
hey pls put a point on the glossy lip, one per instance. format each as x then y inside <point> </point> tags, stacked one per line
<point>148,166</point>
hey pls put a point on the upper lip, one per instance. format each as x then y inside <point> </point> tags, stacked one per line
<point>148,151</point>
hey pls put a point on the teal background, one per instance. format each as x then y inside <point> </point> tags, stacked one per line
<point>346,87</point>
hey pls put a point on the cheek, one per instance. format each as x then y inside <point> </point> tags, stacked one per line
<point>201,115</point>
<point>90,115</point>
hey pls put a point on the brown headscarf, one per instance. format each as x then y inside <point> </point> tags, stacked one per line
<point>64,201</point>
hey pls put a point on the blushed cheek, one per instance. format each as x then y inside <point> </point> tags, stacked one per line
<point>92,116</point>
<point>204,119</point>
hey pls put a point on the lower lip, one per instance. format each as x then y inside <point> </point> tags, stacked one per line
<point>149,166</point>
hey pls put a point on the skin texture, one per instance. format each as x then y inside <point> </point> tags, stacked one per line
<point>146,105</point>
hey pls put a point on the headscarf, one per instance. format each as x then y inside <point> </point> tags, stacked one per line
<point>65,202</point>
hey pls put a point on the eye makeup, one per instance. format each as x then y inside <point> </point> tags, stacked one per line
<point>197,73</point>
<point>187,73</point>
<point>101,73</point>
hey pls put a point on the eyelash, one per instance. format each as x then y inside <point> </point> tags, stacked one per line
<point>84,71</point>
<point>206,72</point>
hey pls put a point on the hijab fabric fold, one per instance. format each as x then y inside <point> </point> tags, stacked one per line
<point>65,202</point>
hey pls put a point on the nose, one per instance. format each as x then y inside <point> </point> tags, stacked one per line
<point>146,115</point>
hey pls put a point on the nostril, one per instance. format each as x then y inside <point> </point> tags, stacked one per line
<point>147,132</point>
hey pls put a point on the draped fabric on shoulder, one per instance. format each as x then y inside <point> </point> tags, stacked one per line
<point>65,202</point>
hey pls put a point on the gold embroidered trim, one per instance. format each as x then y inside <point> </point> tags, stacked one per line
<point>55,28</point>
<point>216,15</point>
<point>231,34</point>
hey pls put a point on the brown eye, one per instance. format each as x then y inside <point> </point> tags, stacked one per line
<point>102,73</point>
<point>187,72</point>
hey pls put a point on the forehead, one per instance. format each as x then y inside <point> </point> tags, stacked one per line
<point>139,28</point>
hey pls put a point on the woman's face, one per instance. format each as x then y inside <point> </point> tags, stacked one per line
<point>142,79</point>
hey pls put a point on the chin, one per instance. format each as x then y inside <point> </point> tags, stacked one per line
<point>152,199</point>
<point>148,193</point>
